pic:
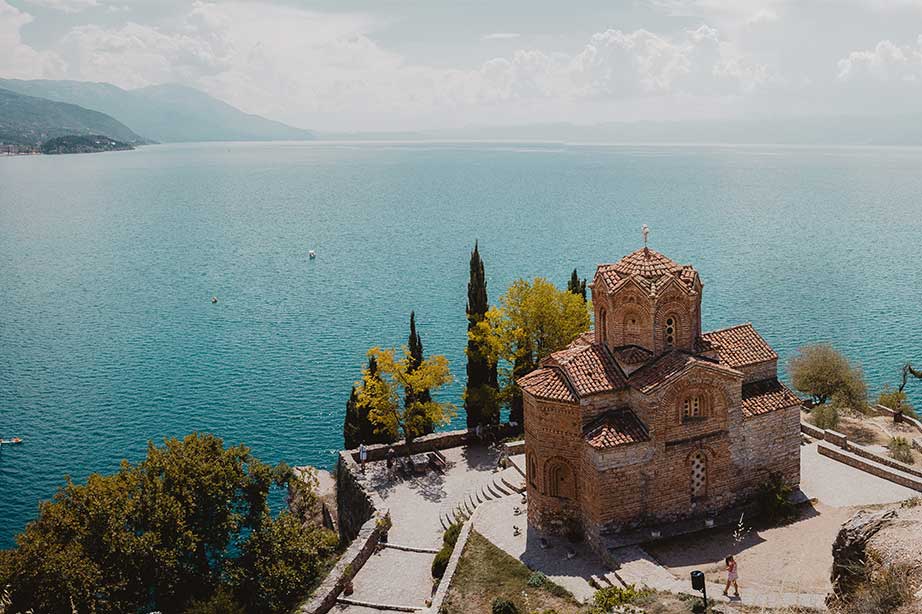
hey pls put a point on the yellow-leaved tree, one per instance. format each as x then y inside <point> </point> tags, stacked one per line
<point>396,380</point>
<point>533,320</point>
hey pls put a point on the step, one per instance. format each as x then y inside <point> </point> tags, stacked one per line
<point>501,488</point>
<point>517,488</point>
<point>614,580</point>
<point>485,494</point>
<point>598,582</point>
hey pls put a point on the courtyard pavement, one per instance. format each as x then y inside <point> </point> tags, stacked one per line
<point>402,578</point>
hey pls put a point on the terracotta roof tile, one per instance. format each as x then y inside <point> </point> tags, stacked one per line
<point>648,268</point>
<point>590,369</point>
<point>667,365</point>
<point>632,354</point>
<point>767,396</point>
<point>615,428</point>
<point>739,346</point>
<point>548,384</point>
<point>587,338</point>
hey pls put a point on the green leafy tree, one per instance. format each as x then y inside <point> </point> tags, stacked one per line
<point>481,402</point>
<point>357,428</point>
<point>825,374</point>
<point>156,535</point>
<point>896,400</point>
<point>533,320</point>
<point>417,398</point>
<point>276,561</point>
<point>577,285</point>
<point>385,394</point>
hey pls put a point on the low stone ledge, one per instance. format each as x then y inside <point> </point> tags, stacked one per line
<point>899,417</point>
<point>883,460</point>
<point>378,606</point>
<point>445,583</point>
<point>814,432</point>
<point>872,467</point>
<point>435,441</point>
<point>352,560</point>
<point>836,438</point>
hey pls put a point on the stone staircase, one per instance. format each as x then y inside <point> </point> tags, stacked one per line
<point>504,483</point>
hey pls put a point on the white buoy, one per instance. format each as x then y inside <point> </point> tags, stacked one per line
<point>312,254</point>
<point>214,299</point>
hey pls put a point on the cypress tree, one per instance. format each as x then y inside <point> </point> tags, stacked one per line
<point>357,428</point>
<point>415,345</point>
<point>577,285</point>
<point>482,381</point>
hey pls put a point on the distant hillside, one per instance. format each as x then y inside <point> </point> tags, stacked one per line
<point>28,120</point>
<point>92,143</point>
<point>166,113</point>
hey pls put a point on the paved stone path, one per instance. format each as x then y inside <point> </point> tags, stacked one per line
<point>418,505</point>
<point>840,485</point>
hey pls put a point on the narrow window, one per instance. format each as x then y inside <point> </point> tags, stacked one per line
<point>670,331</point>
<point>698,475</point>
<point>692,407</point>
<point>603,325</point>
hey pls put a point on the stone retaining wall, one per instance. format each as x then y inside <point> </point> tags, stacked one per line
<point>435,441</point>
<point>853,460</point>
<point>883,410</point>
<point>840,440</point>
<point>352,560</point>
<point>812,431</point>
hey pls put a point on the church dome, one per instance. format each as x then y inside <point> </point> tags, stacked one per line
<point>647,267</point>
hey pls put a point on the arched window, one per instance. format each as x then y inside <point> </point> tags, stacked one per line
<point>632,334</point>
<point>603,325</point>
<point>670,331</point>
<point>532,471</point>
<point>699,475</point>
<point>560,480</point>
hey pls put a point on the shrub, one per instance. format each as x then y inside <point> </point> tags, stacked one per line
<point>896,400</point>
<point>503,606</point>
<point>220,603</point>
<point>774,500</point>
<point>824,373</point>
<point>440,562</point>
<point>450,537</point>
<point>901,450</point>
<point>824,417</point>
<point>607,599</point>
<point>886,591</point>
<point>537,579</point>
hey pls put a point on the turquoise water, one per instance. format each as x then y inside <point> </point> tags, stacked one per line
<point>108,262</point>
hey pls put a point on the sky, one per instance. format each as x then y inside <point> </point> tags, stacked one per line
<point>394,65</point>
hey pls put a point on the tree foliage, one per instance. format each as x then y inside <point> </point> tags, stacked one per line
<point>156,535</point>
<point>825,374</point>
<point>417,398</point>
<point>576,285</point>
<point>386,393</point>
<point>533,320</point>
<point>357,427</point>
<point>481,391</point>
<point>896,400</point>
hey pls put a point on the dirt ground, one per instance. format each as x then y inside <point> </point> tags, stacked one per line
<point>794,558</point>
<point>876,431</point>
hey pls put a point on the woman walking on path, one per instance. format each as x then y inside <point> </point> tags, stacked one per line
<point>732,576</point>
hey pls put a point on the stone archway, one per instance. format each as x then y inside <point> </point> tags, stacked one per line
<point>560,479</point>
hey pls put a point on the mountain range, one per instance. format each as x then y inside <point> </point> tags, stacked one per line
<point>164,113</point>
<point>28,120</point>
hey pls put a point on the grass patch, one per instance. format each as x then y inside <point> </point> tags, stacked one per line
<point>486,573</point>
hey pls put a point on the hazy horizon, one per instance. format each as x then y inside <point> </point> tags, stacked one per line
<point>361,66</point>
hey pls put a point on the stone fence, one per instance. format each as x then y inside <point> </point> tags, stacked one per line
<point>854,455</point>
<point>897,416</point>
<point>435,441</point>
<point>445,583</point>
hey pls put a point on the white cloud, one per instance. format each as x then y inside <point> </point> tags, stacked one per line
<point>886,62</point>
<point>325,70</point>
<point>500,36</point>
<point>17,59</point>
<point>66,6</point>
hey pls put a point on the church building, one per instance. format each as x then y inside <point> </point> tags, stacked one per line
<point>646,419</point>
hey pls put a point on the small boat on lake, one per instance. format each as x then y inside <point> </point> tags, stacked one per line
<point>11,441</point>
<point>214,299</point>
<point>311,254</point>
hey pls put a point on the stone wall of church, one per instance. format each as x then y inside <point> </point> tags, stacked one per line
<point>760,371</point>
<point>771,443</point>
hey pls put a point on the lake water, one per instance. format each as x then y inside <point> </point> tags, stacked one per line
<point>108,263</point>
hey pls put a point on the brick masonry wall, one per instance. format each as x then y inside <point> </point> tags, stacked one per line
<point>760,371</point>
